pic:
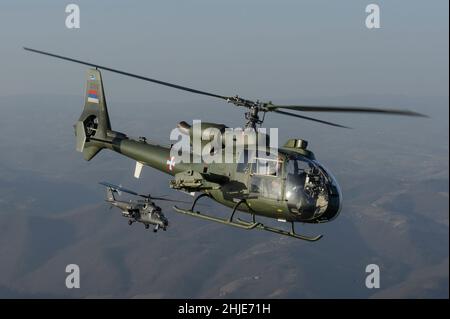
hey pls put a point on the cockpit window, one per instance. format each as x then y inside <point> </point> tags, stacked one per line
<point>306,186</point>
<point>297,166</point>
<point>245,157</point>
<point>266,176</point>
<point>269,166</point>
<point>267,187</point>
<point>309,187</point>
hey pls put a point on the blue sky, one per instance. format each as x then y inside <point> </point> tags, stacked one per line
<point>258,49</point>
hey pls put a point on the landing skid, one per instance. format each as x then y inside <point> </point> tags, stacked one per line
<point>291,233</point>
<point>239,223</point>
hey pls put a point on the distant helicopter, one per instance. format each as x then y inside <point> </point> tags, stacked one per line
<point>289,187</point>
<point>143,211</point>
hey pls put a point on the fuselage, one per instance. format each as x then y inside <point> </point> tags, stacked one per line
<point>292,186</point>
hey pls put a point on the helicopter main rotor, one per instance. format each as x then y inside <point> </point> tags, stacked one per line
<point>254,107</point>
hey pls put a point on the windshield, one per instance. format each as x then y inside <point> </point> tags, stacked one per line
<point>309,186</point>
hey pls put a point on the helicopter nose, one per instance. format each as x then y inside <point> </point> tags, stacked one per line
<point>334,206</point>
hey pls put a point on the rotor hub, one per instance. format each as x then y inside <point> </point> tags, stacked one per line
<point>252,117</point>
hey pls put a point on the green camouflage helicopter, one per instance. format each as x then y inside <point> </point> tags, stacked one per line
<point>287,184</point>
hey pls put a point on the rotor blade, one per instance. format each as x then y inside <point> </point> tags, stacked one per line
<point>178,201</point>
<point>239,101</point>
<point>346,109</point>
<point>119,188</point>
<point>310,118</point>
<point>170,200</point>
<point>176,86</point>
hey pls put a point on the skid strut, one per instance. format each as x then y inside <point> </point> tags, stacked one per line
<point>291,233</point>
<point>229,221</point>
<point>242,223</point>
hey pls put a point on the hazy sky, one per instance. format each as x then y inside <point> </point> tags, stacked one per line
<point>258,49</point>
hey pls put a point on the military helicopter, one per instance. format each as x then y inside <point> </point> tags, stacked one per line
<point>290,187</point>
<point>143,211</point>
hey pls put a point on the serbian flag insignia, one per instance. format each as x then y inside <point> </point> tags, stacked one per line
<point>92,96</point>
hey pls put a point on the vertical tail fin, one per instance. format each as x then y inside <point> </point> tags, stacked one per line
<point>93,124</point>
<point>110,194</point>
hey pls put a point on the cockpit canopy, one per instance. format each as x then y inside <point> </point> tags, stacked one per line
<point>308,188</point>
